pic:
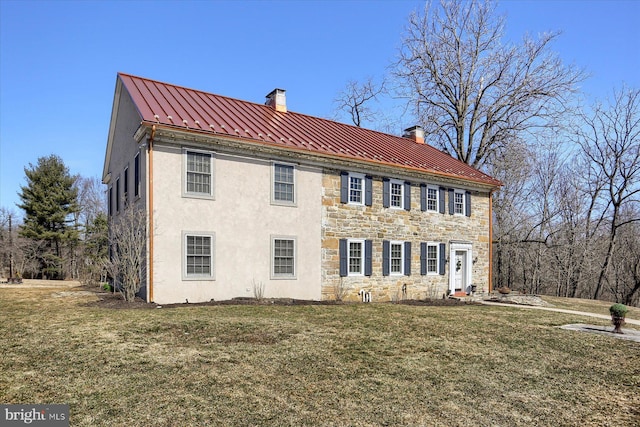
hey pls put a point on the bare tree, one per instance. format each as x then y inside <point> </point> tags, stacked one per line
<point>355,100</point>
<point>610,140</point>
<point>472,92</point>
<point>127,240</point>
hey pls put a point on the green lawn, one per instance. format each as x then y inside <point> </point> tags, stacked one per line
<point>336,365</point>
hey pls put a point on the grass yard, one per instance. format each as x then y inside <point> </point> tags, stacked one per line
<point>588,305</point>
<point>336,365</point>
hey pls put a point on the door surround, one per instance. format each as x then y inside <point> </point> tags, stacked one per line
<point>467,268</point>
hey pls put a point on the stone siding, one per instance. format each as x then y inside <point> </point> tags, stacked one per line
<point>345,221</point>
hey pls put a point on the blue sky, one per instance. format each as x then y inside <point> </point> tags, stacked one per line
<point>59,59</point>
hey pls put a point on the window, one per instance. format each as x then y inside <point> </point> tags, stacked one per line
<point>198,252</point>
<point>432,258</point>
<point>396,194</point>
<point>356,188</point>
<point>432,199</point>
<point>136,176</point>
<point>125,185</point>
<point>396,258</point>
<point>355,257</point>
<point>110,201</point>
<point>284,257</point>
<point>117,194</point>
<point>458,203</point>
<point>198,173</point>
<point>283,184</point>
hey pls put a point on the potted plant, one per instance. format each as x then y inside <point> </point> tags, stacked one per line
<point>618,314</point>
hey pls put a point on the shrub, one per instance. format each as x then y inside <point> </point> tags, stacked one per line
<point>618,310</point>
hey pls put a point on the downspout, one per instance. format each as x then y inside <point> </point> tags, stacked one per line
<point>490,241</point>
<point>150,208</point>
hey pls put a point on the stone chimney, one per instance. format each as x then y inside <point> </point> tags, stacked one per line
<point>277,100</point>
<point>415,133</point>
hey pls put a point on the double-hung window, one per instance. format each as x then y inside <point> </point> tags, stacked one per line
<point>355,257</point>
<point>284,257</point>
<point>397,194</point>
<point>432,258</point>
<point>283,184</point>
<point>396,258</point>
<point>432,198</point>
<point>356,189</point>
<point>458,202</point>
<point>199,174</point>
<point>198,256</point>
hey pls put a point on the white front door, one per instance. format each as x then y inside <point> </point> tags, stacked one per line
<point>460,267</point>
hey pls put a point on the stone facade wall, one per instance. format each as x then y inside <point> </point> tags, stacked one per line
<point>345,221</point>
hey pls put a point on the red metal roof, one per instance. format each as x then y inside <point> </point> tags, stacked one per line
<point>184,108</point>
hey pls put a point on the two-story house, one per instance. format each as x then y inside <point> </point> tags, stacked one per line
<point>240,194</point>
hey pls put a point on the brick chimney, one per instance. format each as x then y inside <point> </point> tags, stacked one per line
<point>415,133</point>
<point>277,100</point>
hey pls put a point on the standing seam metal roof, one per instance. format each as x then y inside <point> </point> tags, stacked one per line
<point>185,108</point>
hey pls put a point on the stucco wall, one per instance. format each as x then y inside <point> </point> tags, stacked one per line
<point>344,221</point>
<point>242,219</point>
<point>123,149</point>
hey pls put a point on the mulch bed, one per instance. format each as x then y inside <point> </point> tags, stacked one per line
<point>115,301</point>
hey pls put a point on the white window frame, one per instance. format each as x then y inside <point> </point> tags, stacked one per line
<point>463,203</point>
<point>286,276</point>
<point>125,186</point>
<point>437,269</point>
<point>402,255</point>
<point>399,183</point>
<point>274,201</point>
<point>437,191</point>
<point>361,178</point>
<point>361,242</point>
<point>185,255</point>
<point>185,171</point>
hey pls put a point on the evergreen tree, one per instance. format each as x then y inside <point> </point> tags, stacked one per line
<point>49,200</point>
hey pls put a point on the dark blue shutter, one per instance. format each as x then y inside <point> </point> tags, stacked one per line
<point>467,203</point>
<point>385,257</point>
<point>344,270</point>
<point>452,207</point>
<point>407,196</point>
<point>423,197</point>
<point>407,258</point>
<point>386,192</point>
<point>441,192</point>
<point>368,190</point>
<point>368,255</point>
<point>344,187</point>
<point>423,258</point>
<point>443,258</point>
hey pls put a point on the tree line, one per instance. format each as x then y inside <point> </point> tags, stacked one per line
<point>62,233</point>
